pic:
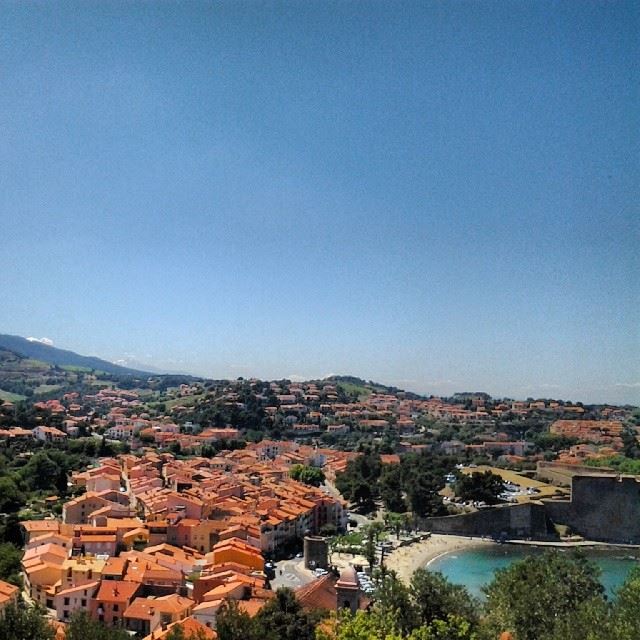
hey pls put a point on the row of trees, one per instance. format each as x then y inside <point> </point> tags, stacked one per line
<point>551,597</point>
<point>282,618</point>
<point>556,596</point>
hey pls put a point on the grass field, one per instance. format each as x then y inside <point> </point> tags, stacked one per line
<point>47,388</point>
<point>6,396</point>
<point>30,363</point>
<point>186,401</point>
<point>544,490</point>
<point>349,387</point>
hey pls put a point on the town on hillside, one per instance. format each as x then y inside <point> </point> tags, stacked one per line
<point>164,507</point>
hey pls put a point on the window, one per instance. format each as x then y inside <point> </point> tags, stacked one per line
<point>66,602</point>
<point>115,607</point>
<point>83,603</point>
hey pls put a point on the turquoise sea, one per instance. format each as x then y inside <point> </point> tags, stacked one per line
<point>474,568</point>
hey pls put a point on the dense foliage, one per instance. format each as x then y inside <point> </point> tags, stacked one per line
<point>25,623</point>
<point>83,627</point>
<point>530,596</point>
<point>622,464</point>
<point>556,596</point>
<point>281,618</point>
<point>479,487</point>
<point>309,475</point>
<point>551,597</point>
<point>414,484</point>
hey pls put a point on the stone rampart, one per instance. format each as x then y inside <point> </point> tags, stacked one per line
<point>602,507</point>
<point>513,521</point>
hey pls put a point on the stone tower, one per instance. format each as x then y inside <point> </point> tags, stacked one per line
<point>348,590</point>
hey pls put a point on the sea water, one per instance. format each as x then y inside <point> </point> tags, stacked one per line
<point>475,568</point>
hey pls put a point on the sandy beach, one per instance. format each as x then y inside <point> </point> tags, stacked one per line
<point>405,560</point>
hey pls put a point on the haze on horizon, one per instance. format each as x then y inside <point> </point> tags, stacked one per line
<point>437,196</point>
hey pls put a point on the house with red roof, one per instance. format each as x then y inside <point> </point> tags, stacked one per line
<point>111,601</point>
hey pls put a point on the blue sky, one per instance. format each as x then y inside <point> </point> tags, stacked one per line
<point>437,195</point>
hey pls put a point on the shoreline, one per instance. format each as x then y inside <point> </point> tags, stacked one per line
<point>405,560</point>
<point>573,544</point>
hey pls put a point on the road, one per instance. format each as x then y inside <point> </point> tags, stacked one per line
<point>330,489</point>
<point>292,574</point>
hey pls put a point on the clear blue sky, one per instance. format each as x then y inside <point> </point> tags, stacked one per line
<point>437,195</point>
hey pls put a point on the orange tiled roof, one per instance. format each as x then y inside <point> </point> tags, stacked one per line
<point>116,591</point>
<point>7,592</point>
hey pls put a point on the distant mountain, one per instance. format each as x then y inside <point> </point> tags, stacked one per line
<point>131,363</point>
<point>61,357</point>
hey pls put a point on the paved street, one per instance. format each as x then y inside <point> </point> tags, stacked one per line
<point>330,489</point>
<point>293,574</point>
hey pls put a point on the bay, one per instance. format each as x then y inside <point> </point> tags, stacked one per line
<point>475,568</point>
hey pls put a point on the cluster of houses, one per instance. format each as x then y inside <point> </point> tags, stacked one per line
<point>605,432</point>
<point>309,409</point>
<point>153,541</point>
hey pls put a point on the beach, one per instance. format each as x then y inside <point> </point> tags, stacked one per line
<point>405,560</point>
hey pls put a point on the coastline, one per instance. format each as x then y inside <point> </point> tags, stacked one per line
<point>405,560</point>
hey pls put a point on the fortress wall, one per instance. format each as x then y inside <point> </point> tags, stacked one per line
<point>515,521</point>
<point>605,508</point>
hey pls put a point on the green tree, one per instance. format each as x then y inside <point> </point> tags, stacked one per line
<point>359,481</point>
<point>396,522</point>
<point>376,529</point>
<point>631,448</point>
<point>10,557</point>
<point>283,618</point>
<point>83,627</point>
<point>625,617</point>
<point>40,472</point>
<point>391,488</point>
<point>394,602</point>
<point>479,487</point>
<point>234,624</point>
<point>369,549</point>
<point>589,621</point>
<point>366,626</point>
<point>178,633</point>
<point>364,496</point>
<point>423,495</point>
<point>309,475</point>
<point>328,529</point>
<point>11,498</point>
<point>61,481</point>
<point>25,623</point>
<point>530,596</point>
<point>435,598</point>
<point>453,628</point>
